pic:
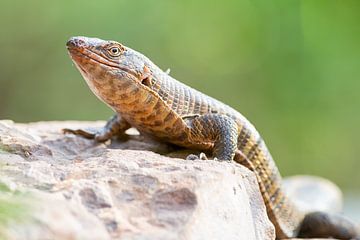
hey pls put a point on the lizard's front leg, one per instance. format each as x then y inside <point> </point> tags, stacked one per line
<point>219,129</point>
<point>115,126</point>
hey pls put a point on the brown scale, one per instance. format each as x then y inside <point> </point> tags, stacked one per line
<point>145,97</point>
<point>275,199</point>
<point>149,115</point>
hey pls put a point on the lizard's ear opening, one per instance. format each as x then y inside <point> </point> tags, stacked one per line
<point>147,81</point>
<point>146,76</point>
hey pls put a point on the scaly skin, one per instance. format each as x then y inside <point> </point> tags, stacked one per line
<point>145,97</point>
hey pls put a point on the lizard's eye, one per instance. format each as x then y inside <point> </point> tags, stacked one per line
<point>114,51</point>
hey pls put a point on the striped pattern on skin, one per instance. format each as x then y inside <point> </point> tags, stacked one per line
<point>145,97</point>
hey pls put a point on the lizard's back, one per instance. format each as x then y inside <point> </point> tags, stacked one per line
<point>186,101</point>
<point>155,103</point>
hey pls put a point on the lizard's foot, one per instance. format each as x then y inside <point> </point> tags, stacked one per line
<point>99,136</point>
<point>202,156</point>
<point>116,126</point>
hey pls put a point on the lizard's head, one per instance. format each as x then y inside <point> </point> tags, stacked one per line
<point>108,67</point>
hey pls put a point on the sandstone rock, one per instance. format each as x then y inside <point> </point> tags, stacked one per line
<point>312,194</point>
<point>80,189</point>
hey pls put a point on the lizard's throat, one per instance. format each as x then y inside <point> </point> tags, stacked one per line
<point>93,84</point>
<point>120,94</point>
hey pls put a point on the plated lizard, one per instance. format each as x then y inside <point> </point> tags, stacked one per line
<point>149,99</point>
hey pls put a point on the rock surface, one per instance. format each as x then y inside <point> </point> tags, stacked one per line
<point>84,190</point>
<point>305,192</point>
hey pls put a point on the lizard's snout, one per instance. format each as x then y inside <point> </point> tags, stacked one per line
<point>75,42</point>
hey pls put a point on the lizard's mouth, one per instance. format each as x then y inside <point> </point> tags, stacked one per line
<point>82,56</point>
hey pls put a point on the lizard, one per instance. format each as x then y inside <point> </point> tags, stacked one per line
<point>149,99</point>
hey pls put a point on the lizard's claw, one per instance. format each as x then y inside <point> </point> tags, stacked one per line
<point>202,156</point>
<point>192,157</point>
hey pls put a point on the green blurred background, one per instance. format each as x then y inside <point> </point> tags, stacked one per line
<point>292,67</point>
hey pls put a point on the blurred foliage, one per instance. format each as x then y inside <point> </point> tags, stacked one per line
<point>12,209</point>
<point>292,67</point>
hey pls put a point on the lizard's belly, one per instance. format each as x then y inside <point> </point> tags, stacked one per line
<point>166,126</point>
<point>149,114</point>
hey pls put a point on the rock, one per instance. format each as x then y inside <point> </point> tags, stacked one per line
<point>53,218</point>
<point>79,189</point>
<point>305,192</point>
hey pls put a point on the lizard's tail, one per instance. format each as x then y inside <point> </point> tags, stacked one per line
<point>319,197</point>
<point>322,225</point>
<point>281,211</point>
<point>288,219</point>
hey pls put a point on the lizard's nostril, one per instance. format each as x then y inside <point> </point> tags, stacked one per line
<point>74,42</point>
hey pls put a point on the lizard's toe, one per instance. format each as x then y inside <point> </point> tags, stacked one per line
<point>192,157</point>
<point>79,132</point>
<point>202,156</point>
